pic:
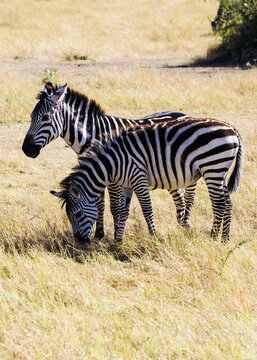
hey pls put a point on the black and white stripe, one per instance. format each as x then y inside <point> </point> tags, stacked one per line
<point>78,120</point>
<point>168,156</point>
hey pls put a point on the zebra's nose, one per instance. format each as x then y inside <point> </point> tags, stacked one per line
<point>30,139</point>
<point>29,148</point>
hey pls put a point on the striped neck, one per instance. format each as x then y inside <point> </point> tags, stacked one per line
<point>105,163</point>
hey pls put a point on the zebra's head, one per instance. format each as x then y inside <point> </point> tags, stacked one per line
<point>45,124</point>
<point>81,212</point>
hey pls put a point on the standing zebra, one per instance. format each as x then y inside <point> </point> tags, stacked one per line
<point>78,120</point>
<point>168,156</point>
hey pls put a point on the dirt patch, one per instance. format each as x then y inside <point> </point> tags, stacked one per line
<point>77,68</point>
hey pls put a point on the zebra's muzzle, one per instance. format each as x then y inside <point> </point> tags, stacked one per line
<point>29,148</point>
<point>82,239</point>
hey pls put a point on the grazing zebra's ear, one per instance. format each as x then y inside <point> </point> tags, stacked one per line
<point>74,189</point>
<point>56,193</point>
<point>59,94</point>
<point>48,88</point>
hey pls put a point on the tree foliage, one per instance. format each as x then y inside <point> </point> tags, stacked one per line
<point>236,23</point>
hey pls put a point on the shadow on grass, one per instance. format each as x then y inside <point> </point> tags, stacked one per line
<point>63,244</point>
<point>221,57</point>
<point>207,63</point>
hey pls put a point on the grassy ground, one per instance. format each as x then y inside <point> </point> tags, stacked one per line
<point>97,29</point>
<point>179,296</point>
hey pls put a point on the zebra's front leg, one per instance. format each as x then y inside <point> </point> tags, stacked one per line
<point>99,231</point>
<point>115,198</point>
<point>189,201</point>
<point>142,192</point>
<point>125,201</point>
<point>179,200</point>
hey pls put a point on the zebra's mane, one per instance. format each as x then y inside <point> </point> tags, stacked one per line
<point>42,94</point>
<point>74,95</point>
<point>96,149</point>
<point>93,152</point>
<point>65,183</point>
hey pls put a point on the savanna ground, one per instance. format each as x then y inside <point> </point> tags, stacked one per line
<point>178,296</point>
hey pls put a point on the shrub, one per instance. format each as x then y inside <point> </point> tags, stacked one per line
<point>236,23</point>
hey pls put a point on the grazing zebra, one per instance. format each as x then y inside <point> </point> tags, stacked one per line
<point>170,156</point>
<point>78,120</point>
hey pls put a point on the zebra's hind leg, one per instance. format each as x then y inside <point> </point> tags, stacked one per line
<point>125,201</point>
<point>99,231</point>
<point>219,204</point>
<point>189,201</point>
<point>115,198</point>
<point>179,200</point>
<point>227,216</point>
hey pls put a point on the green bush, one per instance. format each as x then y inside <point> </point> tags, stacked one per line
<point>236,23</point>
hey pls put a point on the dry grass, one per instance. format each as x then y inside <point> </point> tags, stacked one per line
<point>99,30</point>
<point>178,296</point>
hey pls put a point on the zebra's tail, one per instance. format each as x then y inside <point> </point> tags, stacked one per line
<point>236,175</point>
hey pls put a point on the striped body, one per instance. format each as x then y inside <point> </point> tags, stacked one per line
<point>167,156</point>
<point>79,121</point>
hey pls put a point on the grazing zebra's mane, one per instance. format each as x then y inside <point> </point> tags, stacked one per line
<point>72,96</point>
<point>95,150</point>
<point>64,185</point>
<point>98,148</point>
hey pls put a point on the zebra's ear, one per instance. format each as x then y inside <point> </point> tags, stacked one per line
<point>48,88</point>
<point>56,193</point>
<point>74,190</point>
<point>59,94</point>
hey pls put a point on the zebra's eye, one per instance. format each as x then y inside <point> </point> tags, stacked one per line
<point>45,118</point>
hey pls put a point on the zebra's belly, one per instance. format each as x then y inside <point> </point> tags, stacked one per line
<point>170,180</point>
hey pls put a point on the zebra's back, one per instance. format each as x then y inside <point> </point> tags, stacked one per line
<point>177,153</point>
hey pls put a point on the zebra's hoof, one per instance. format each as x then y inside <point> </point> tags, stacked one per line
<point>186,224</point>
<point>214,236</point>
<point>118,239</point>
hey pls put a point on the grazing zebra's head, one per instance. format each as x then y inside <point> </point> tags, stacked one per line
<point>45,124</point>
<point>82,213</point>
